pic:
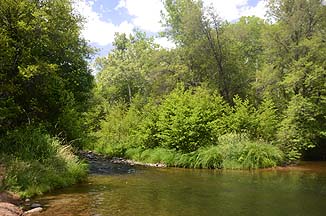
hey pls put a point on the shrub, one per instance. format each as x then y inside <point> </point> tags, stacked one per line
<point>29,143</point>
<point>184,119</point>
<point>147,133</point>
<point>267,120</point>
<point>298,128</point>
<point>242,118</point>
<point>117,131</point>
<point>70,126</point>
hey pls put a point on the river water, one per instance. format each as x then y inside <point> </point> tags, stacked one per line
<point>186,192</point>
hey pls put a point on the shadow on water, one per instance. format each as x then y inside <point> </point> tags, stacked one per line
<point>126,190</point>
<point>103,167</point>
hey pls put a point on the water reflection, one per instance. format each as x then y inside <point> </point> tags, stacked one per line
<point>168,192</point>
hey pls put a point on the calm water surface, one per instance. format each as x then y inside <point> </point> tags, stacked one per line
<point>186,192</point>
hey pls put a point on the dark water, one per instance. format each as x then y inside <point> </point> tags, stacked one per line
<point>169,192</point>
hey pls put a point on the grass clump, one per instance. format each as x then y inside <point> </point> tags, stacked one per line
<point>36,162</point>
<point>233,151</point>
<point>240,152</point>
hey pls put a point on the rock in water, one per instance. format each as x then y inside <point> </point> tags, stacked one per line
<point>36,205</point>
<point>33,211</point>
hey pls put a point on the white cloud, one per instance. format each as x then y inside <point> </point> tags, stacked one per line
<point>146,13</point>
<point>259,10</point>
<point>234,9</point>
<point>97,30</point>
<point>164,42</point>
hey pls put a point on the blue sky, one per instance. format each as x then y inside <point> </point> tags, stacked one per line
<point>105,17</point>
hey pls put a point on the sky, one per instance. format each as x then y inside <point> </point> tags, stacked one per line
<point>105,17</point>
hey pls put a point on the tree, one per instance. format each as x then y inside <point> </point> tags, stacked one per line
<point>210,48</point>
<point>294,74</point>
<point>43,63</point>
<point>124,71</point>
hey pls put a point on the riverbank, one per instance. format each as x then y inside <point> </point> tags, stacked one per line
<point>98,164</point>
<point>12,205</point>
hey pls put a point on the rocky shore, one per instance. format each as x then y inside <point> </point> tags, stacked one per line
<point>102,164</point>
<point>12,205</point>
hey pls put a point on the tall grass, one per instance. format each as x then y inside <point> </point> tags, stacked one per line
<point>234,151</point>
<point>240,152</point>
<point>36,163</point>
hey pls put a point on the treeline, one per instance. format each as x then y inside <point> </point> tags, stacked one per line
<point>245,94</point>
<point>45,85</point>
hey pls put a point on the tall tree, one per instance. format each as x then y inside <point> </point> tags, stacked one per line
<point>123,72</point>
<point>43,62</point>
<point>295,71</point>
<point>212,52</point>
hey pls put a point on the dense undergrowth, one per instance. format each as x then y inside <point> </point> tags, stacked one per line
<point>193,128</point>
<point>36,162</point>
<point>233,152</point>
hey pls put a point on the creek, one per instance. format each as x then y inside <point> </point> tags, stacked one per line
<point>122,190</point>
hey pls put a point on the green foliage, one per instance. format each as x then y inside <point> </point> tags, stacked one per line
<point>192,128</point>
<point>239,152</point>
<point>29,143</point>
<point>233,152</point>
<point>43,64</point>
<point>71,127</point>
<point>123,73</point>
<point>118,130</point>
<point>209,157</point>
<point>298,128</point>
<point>223,80</point>
<point>36,162</point>
<point>267,120</point>
<point>242,118</point>
<point>184,117</point>
<point>147,131</point>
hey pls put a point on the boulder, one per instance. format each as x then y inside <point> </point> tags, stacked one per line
<point>8,209</point>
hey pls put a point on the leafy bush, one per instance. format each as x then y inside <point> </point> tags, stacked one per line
<point>117,131</point>
<point>184,117</point>
<point>192,128</point>
<point>70,126</point>
<point>298,128</point>
<point>267,120</point>
<point>242,118</point>
<point>147,132</point>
